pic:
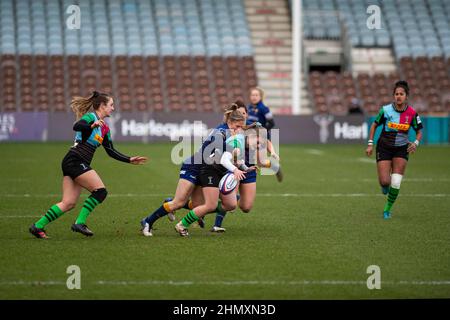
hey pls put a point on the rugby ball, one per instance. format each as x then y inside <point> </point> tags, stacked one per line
<point>228,183</point>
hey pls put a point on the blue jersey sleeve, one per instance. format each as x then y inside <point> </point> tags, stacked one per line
<point>266,112</point>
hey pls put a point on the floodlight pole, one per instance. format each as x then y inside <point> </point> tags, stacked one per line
<point>297,40</point>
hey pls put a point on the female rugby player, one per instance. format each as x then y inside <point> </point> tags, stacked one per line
<point>260,113</point>
<point>91,133</point>
<point>393,147</point>
<point>214,168</point>
<point>189,184</point>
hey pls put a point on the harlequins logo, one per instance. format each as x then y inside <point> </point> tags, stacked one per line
<point>323,121</point>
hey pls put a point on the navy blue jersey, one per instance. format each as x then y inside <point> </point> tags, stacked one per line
<point>259,113</point>
<point>215,140</point>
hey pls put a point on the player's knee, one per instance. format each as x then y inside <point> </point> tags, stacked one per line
<point>176,204</point>
<point>99,194</point>
<point>210,207</point>
<point>245,208</point>
<point>396,180</point>
<point>385,182</point>
<point>229,206</point>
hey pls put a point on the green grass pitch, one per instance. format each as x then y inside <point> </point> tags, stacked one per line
<point>311,237</point>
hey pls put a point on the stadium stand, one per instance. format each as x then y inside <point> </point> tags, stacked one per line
<point>417,34</point>
<point>151,55</point>
<point>197,55</point>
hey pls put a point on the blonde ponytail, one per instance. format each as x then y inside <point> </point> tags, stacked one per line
<point>80,105</point>
<point>228,111</point>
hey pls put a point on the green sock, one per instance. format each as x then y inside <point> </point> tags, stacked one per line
<point>88,205</point>
<point>189,219</point>
<point>392,195</point>
<point>52,214</point>
<point>219,207</point>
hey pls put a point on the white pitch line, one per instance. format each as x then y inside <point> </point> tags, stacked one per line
<point>314,152</point>
<point>374,180</point>
<point>230,283</point>
<point>366,160</point>
<point>17,217</point>
<point>350,195</point>
<point>319,195</point>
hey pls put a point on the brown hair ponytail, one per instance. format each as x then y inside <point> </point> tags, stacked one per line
<point>232,114</point>
<point>81,105</point>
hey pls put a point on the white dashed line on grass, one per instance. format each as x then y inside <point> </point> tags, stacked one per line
<point>230,283</point>
<point>315,152</point>
<point>309,195</point>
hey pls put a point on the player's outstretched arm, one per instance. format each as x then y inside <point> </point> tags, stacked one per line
<point>113,153</point>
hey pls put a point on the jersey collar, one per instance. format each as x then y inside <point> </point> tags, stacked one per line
<point>395,109</point>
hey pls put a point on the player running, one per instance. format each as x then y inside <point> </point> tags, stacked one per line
<point>220,148</point>
<point>393,147</point>
<point>189,183</point>
<point>91,133</point>
<point>256,146</point>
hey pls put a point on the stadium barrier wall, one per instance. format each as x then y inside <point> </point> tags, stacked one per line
<point>163,127</point>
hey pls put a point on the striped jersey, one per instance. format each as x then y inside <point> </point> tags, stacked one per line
<point>88,139</point>
<point>396,124</point>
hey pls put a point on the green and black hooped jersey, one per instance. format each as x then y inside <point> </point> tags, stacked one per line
<point>87,140</point>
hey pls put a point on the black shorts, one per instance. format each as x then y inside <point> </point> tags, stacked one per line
<point>73,166</point>
<point>385,152</point>
<point>210,176</point>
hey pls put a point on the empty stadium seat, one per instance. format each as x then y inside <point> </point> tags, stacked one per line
<point>137,32</point>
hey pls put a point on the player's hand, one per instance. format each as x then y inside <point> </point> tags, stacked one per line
<point>98,123</point>
<point>138,160</point>
<point>369,150</point>
<point>250,169</point>
<point>239,174</point>
<point>412,147</point>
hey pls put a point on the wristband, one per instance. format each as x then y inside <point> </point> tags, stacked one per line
<point>416,143</point>
<point>370,143</point>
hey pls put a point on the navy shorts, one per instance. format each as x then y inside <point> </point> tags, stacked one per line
<point>250,177</point>
<point>210,175</point>
<point>388,152</point>
<point>190,172</point>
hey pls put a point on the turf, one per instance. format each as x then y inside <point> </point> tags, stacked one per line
<point>311,237</point>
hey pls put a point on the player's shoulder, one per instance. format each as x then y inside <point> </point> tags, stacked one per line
<point>222,126</point>
<point>220,130</point>
<point>263,107</point>
<point>89,117</point>
<point>411,109</point>
<point>387,107</point>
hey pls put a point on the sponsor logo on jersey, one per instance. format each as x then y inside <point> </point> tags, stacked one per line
<point>418,120</point>
<point>98,138</point>
<point>398,126</point>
